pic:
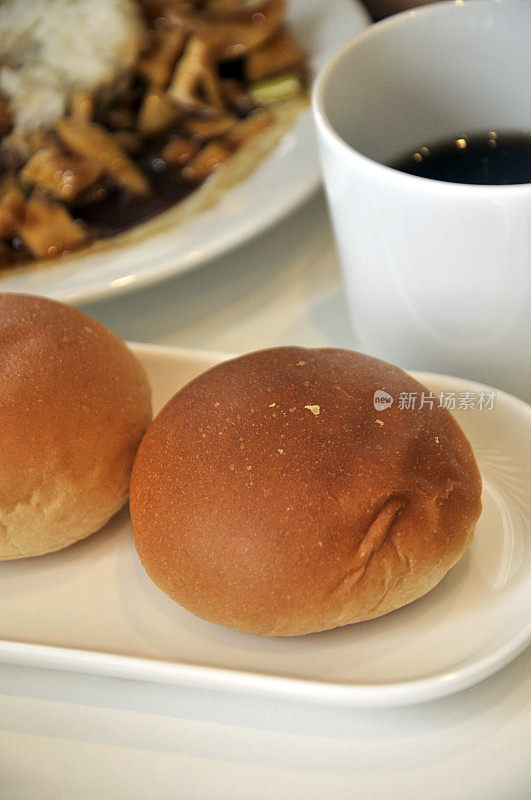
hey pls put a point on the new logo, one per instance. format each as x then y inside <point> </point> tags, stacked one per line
<point>382,400</point>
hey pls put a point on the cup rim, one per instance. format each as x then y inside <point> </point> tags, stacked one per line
<point>391,174</point>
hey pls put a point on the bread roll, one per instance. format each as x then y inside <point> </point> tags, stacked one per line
<point>74,404</point>
<point>270,495</point>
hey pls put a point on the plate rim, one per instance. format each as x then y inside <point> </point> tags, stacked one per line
<point>355,695</point>
<point>360,695</point>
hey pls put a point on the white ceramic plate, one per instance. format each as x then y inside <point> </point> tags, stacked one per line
<point>92,608</point>
<point>282,180</point>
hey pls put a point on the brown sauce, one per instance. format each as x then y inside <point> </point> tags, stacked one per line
<point>119,210</point>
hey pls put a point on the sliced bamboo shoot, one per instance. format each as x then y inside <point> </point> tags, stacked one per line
<point>11,206</point>
<point>48,229</point>
<point>63,176</point>
<point>157,114</point>
<point>249,126</point>
<point>195,83</point>
<point>210,128</point>
<point>206,161</point>
<point>279,54</point>
<point>157,66</point>
<point>91,141</point>
<point>179,151</point>
<point>82,106</point>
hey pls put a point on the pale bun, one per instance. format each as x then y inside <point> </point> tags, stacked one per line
<point>74,404</point>
<point>270,496</point>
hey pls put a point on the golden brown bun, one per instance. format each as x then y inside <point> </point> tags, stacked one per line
<point>74,404</point>
<point>270,496</point>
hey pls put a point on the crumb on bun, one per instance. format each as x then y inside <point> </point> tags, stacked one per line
<point>271,496</point>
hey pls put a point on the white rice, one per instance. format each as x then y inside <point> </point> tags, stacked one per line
<point>49,48</point>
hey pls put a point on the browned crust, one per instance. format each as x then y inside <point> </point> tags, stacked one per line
<point>74,404</point>
<point>270,496</point>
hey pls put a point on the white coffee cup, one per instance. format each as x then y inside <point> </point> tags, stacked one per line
<point>437,273</point>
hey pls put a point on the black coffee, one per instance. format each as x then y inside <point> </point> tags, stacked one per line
<point>484,158</point>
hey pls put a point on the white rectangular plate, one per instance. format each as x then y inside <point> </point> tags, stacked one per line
<point>92,608</point>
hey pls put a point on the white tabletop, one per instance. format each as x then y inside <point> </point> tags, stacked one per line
<point>66,735</point>
<point>283,287</point>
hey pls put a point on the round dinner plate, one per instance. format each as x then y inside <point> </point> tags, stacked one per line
<point>92,608</point>
<point>285,177</point>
